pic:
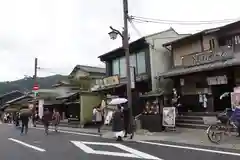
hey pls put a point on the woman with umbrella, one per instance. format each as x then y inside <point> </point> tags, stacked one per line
<point>117,119</point>
<point>117,123</point>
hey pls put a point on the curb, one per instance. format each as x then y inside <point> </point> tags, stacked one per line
<point>216,147</point>
<point>66,130</point>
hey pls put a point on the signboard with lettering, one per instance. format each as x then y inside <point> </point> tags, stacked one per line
<point>217,80</point>
<point>109,81</point>
<point>206,57</point>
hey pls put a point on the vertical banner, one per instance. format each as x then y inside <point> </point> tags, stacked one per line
<point>40,108</point>
<point>132,77</point>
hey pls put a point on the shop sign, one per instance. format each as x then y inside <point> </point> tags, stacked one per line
<point>169,116</point>
<point>206,57</point>
<point>217,80</point>
<point>110,81</point>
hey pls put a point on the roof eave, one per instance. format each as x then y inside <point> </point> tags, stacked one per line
<point>103,56</point>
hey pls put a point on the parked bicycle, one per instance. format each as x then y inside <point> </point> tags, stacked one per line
<point>223,127</point>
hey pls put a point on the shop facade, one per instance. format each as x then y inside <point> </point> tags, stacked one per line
<point>205,65</point>
<point>115,81</point>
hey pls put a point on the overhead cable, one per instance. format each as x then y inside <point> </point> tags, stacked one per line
<point>161,21</point>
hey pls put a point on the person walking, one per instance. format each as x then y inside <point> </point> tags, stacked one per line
<point>25,119</point>
<point>236,118</point>
<point>34,118</point>
<point>117,123</point>
<point>17,119</point>
<point>98,117</point>
<point>46,120</point>
<point>126,117</point>
<point>56,119</point>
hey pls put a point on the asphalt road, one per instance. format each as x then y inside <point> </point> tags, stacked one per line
<point>70,146</point>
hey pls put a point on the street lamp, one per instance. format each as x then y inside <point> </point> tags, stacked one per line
<point>114,33</point>
<point>125,38</point>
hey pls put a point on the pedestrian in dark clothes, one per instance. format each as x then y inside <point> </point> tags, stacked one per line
<point>117,123</point>
<point>126,117</point>
<point>56,119</point>
<point>25,119</point>
<point>47,117</point>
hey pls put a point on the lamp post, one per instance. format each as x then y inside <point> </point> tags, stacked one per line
<point>113,35</point>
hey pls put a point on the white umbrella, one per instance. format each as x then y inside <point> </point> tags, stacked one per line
<point>117,101</point>
<point>224,95</point>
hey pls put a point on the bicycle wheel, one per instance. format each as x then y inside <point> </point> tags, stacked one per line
<point>215,133</point>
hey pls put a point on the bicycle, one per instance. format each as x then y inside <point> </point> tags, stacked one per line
<point>224,127</point>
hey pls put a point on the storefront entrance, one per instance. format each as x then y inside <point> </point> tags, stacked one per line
<point>217,91</point>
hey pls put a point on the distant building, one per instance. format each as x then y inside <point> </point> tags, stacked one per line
<point>83,71</point>
<point>9,96</point>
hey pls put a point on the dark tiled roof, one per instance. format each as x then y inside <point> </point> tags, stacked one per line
<point>18,99</point>
<point>11,93</point>
<point>92,69</point>
<point>89,69</point>
<point>206,31</point>
<point>204,67</point>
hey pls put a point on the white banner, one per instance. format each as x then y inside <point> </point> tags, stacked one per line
<point>30,106</point>
<point>40,108</point>
<point>132,77</point>
<point>169,116</point>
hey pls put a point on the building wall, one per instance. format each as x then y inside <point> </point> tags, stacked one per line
<point>80,73</point>
<point>160,57</point>
<point>206,44</point>
<point>185,49</point>
<point>195,46</point>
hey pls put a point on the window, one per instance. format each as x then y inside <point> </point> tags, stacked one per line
<point>122,66</point>
<point>237,39</point>
<point>141,63</point>
<point>212,44</point>
<point>115,67</point>
<point>133,60</point>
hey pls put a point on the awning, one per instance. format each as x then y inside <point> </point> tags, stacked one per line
<point>52,102</point>
<point>200,68</point>
<point>67,95</point>
<point>153,94</point>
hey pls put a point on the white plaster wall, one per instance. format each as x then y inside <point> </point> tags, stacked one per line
<point>160,57</point>
<point>80,73</point>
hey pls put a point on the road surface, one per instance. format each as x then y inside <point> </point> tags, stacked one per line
<point>75,146</point>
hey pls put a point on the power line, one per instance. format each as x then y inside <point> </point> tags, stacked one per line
<point>135,28</point>
<point>161,21</point>
<point>50,71</point>
<point>184,21</point>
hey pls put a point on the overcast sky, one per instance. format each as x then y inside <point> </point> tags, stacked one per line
<point>63,33</point>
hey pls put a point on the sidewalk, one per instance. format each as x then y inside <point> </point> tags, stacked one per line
<point>189,136</point>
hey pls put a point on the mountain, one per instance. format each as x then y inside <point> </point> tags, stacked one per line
<point>27,84</point>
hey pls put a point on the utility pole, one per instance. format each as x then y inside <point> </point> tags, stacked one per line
<point>127,54</point>
<point>34,84</point>
<point>35,71</point>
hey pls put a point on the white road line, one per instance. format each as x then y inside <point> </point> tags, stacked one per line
<point>27,145</point>
<point>191,148</point>
<point>129,152</point>
<point>71,132</point>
